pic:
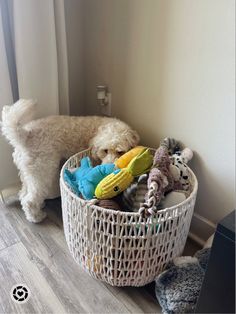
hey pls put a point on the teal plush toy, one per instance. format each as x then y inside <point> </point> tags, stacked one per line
<point>85,179</point>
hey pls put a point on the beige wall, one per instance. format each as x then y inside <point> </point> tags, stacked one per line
<point>170,68</point>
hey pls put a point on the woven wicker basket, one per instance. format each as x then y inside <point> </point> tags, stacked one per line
<point>122,248</point>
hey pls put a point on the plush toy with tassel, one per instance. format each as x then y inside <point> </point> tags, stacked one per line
<point>168,174</point>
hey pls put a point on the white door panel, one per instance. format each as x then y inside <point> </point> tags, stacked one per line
<point>8,172</point>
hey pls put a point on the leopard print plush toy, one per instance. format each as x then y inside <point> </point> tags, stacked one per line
<point>179,169</point>
<point>179,158</point>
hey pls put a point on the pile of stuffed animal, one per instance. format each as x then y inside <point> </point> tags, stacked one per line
<point>148,182</point>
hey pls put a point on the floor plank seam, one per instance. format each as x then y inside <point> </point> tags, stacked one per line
<point>9,246</point>
<point>115,295</point>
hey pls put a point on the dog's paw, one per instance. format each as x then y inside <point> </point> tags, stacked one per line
<point>37,217</point>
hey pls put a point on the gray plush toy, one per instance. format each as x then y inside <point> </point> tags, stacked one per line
<point>178,287</point>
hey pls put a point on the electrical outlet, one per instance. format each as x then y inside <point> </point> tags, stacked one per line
<point>106,106</point>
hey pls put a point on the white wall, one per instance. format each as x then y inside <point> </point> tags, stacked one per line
<point>170,68</point>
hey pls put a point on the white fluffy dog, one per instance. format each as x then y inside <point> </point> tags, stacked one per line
<point>40,145</point>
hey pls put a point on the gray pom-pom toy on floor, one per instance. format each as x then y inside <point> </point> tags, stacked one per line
<point>178,287</point>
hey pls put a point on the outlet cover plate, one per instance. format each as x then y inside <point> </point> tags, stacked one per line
<point>106,109</point>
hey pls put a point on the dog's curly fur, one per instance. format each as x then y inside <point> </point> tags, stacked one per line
<point>40,145</point>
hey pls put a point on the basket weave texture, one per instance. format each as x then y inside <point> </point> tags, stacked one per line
<point>123,248</point>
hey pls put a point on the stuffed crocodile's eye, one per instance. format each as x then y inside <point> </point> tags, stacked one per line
<point>105,151</point>
<point>116,189</point>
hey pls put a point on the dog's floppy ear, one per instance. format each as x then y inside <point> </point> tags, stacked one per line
<point>94,145</point>
<point>94,155</point>
<point>133,138</point>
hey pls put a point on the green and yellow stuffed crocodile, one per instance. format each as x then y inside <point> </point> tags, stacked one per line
<point>120,179</point>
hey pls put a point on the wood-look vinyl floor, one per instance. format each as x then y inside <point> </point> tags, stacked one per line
<point>37,255</point>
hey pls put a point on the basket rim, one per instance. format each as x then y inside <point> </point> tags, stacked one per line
<point>107,210</point>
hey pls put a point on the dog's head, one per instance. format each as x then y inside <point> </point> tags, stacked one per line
<point>113,140</point>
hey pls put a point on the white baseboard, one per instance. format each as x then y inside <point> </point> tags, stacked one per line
<point>201,229</point>
<point>10,190</point>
